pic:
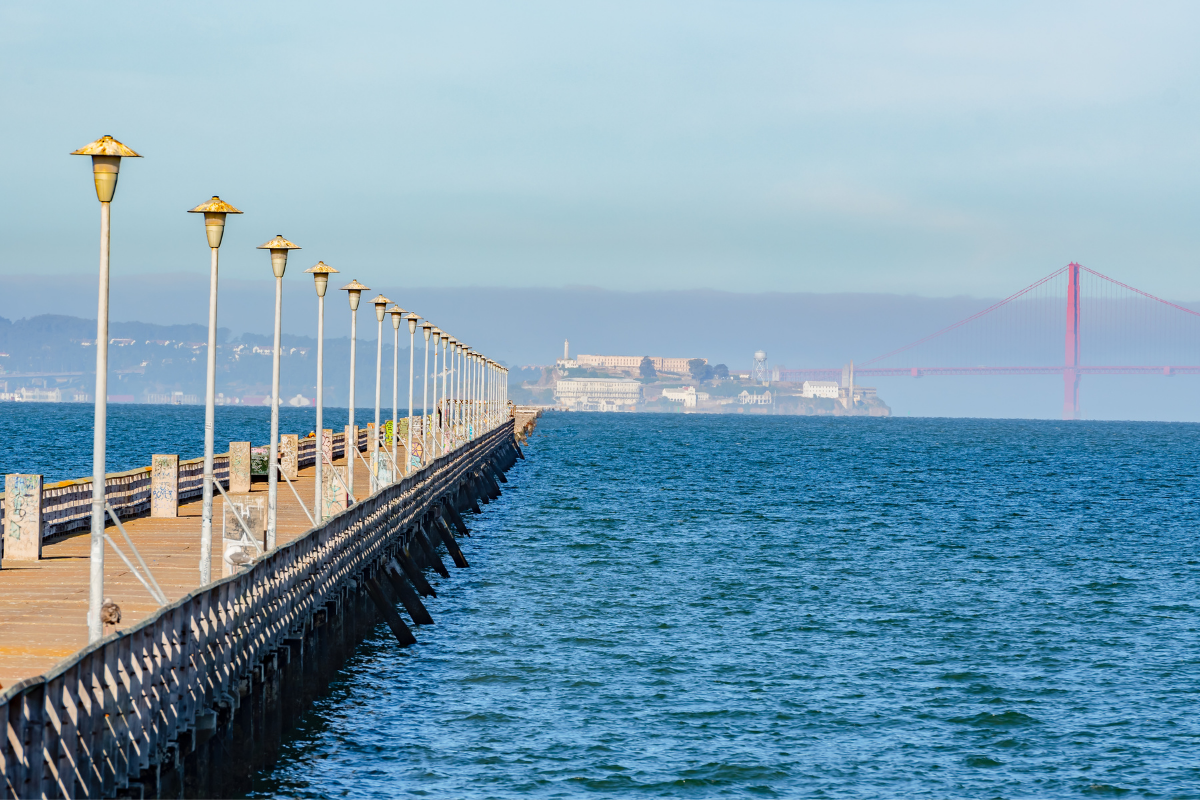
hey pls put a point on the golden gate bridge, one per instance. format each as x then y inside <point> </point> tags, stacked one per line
<point>1073,322</point>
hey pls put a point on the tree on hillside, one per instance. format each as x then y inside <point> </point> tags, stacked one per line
<point>647,369</point>
<point>721,372</point>
<point>699,370</point>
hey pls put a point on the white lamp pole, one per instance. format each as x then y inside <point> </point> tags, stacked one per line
<point>396,312</point>
<point>320,273</point>
<point>479,395</point>
<point>458,412</point>
<point>434,433</point>
<point>354,291</point>
<point>474,395</point>
<point>279,248</point>
<point>412,327</point>
<point>468,366</point>
<point>444,406</point>
<point>214,212</point>
<point>380,304</point>
<point>106,153</point>
<point>451,408</point>
<point>427,328</point>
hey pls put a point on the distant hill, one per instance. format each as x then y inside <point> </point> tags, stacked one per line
<point>150,358</point>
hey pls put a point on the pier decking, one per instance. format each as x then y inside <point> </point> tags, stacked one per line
<point>43,604</point>
<point>218,671</point>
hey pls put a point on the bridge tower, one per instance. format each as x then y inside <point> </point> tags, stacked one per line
<point>1071,360</point>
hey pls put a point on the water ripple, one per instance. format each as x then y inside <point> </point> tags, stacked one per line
<point>670,606</point>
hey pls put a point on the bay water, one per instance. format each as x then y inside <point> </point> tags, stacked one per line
<point>712,606</point>
<point>759,606</point>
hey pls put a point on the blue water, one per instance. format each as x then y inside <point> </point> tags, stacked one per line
<point>55,439</point>
<point>703,606</point>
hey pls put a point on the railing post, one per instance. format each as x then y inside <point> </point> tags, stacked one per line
<point>164,485</point>
<point>289,454</point>
<point>239,467</point>
<point>22,517</point>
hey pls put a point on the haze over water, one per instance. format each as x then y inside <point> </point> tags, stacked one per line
<point>691,606</point>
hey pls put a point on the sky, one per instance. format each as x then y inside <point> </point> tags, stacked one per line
<point>927,148</point>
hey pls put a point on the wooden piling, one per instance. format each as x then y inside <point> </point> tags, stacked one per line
<point>435,560</point>
<point>460,560</point>
<point>456,518</point>
<point>388,612</point>
<point>408,596</point>
<point>414,574</point>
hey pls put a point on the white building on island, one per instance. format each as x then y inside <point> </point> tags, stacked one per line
<point>747,399</point>
<point>598,394</point>
<point>820,389</point>
<point>685,394</point>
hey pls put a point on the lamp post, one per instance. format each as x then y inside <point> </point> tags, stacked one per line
<point>279,248</point>
<point>470,394</point>
<point>452,408</point>
<point>106,153</point>
<point>380,304</point>
<point>436,434</point>
<point>466,393</point>
<point>396,312</point>
<point>427,328</point>
<point>462,392</point>
<point>412,327</point>
<point>354,291</point>
<point>445,406</point>
<point>478,367</point>
<point>320,273</point>
<point>214,212</point>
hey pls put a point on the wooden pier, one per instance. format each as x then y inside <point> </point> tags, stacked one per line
<point>129,714</point>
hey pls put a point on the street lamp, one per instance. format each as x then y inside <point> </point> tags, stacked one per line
<point>106,153</point>
<point>466,415</point>
<point>427,328</point>
<point>214,212</point>
<point>320,273</point>
<point>462,391</point>
<point>435,435</point>
<point>279,248</point>
<point>445,406</point>
<point>354,291</point>
<point>476,373</point>
<point>396,312</point>
<point>466,394</point>
<point>380,304</point>
<point>412,327</point>
<point>451,403</point>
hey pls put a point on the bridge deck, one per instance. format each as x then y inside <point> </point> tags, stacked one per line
<point>43,604</point>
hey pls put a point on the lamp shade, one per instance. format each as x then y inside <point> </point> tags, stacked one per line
<point>214,212</point>
<point>106,153</point>
<point>321,272</point>
<point>354,291</point>
<point>279,248</point>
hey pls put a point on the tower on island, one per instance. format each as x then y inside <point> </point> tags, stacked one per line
<point>565,362</point>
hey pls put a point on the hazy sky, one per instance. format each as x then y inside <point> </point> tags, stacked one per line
<point>934,148</point>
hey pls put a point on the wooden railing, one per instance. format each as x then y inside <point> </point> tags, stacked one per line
<point>67,505</point>
<point>94,722</point>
